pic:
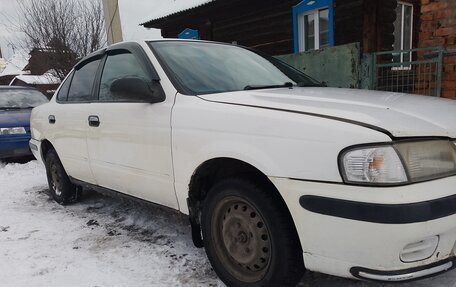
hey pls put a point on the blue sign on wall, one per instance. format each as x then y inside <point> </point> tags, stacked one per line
<point>189,34</point>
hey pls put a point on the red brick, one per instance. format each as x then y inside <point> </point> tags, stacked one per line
<point>441,14</point>
<point>445,31</point>
<point>449,77</point>
<point>448,68</point>
<point>449,60</point>
<point>433,6</point>
<point>426,8</point>
<point>429,26</point>
<point>451,94</point>
<point>427,16</point>
<point>424,2</point>
<point>449,85</point>
<point>450,41</point>
<point>425,35</point>
<point>432,42</point>
<point>439,5</point>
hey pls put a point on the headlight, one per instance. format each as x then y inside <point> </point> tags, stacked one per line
<point>398,163</point>
<point>12,131</point>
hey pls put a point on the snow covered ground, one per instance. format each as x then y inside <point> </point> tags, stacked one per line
<point>104,241</point>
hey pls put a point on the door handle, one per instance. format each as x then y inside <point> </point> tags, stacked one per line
<point>94,121</point>
<point>51,119</point>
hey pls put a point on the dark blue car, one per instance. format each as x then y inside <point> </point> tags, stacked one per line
<point>16,104</point>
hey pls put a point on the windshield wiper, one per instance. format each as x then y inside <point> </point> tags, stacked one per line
<point>310,85</point>
<point>257,87</point>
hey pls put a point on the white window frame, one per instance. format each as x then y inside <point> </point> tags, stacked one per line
<point>301,29</point>
<point>403,4</point>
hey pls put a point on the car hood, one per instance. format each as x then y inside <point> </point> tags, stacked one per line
<point>401,115</point>
<point>15,118</point>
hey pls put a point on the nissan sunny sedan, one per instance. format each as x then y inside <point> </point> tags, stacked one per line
<point>16,105</point>
<point>277,174</point>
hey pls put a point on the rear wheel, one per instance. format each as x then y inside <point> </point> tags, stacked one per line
<point>60,186</point>
<point>249,237</point>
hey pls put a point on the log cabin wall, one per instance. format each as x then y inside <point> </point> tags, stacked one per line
<point>268,25</point>
<point>348,21</point>
<point>264,25</point>
<point>369,22</point>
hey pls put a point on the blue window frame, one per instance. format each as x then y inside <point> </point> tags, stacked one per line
<point>313,25</point>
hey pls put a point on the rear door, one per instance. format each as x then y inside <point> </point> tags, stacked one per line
<point>130,147</point>
<point>69,119</point>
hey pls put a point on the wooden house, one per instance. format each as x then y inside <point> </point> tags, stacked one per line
<point>281,27</point>
<point>286,26</point>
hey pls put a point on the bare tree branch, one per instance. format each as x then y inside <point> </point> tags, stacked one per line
<point>62,30</point>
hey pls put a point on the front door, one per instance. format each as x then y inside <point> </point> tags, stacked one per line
<point>130,146</point>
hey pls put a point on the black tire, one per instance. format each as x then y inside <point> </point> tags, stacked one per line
<point>249,236</point>
<point>60,186</point>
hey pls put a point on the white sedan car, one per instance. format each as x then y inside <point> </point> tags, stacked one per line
<point>277,173</point>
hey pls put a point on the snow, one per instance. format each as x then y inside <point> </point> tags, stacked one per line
<point>16,64</point>
<point>104,241</point>
<point>98,242</point>
<point>45,79</point>
<point>167,8</point>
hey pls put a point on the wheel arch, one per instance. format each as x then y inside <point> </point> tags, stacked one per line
<point>216,169</point>
<point>213,170</point>
<point>46,146</point>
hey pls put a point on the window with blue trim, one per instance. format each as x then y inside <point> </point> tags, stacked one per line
<point>313,25</point>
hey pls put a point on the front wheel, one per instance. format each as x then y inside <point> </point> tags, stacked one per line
<point>249,236</point>
<point>60,186</point>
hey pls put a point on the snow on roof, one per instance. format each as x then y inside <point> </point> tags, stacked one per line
<point>12,70</point>
<point>45,79</point>
<point>16,64</point>
<point>173,7</point>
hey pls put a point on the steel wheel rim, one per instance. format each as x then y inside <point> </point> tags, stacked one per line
<point>241,238</point>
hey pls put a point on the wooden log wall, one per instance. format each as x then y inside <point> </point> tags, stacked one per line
<point>267,25</point>
<point>264,25</point>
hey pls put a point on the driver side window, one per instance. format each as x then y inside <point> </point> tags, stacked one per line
<point>119,66</point>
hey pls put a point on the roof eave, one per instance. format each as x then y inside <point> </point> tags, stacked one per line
<point>159,22</point>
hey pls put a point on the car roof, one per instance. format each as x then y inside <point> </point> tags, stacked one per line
<point>101,51</point>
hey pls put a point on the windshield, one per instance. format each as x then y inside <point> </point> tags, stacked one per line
<point>204,68</point>
<point>21,98</point>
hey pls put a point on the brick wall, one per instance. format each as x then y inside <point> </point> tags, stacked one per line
<point>438,28</point>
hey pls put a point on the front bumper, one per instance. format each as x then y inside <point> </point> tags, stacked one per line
<point>12,146</point>
<point>404,275</point>
<point>363,232</point>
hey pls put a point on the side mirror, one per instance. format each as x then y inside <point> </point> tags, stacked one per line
<point>137,89</point>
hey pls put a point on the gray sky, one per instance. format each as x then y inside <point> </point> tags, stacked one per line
<point>131,13</point>
<point>7,7</point>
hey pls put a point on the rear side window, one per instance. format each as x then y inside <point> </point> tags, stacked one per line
<point>63,92</point>
<point>82,83</point>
